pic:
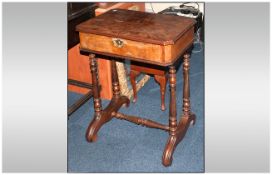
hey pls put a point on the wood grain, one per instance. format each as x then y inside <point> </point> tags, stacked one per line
<point>138,26</point>
<point>149,53</point>
<point>130,48</point>
<point>146,37</point>
<point>104,65</point>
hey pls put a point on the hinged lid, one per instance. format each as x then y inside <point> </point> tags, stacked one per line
<point>138,26</point>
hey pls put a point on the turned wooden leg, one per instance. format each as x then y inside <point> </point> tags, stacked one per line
<point>103,116</point>
<point>133,75</point>
<point>186,108</point>
<point>162,80</point>
<point>96,94</point>
<point>186,90</point>
<point>115,80</point>
<point>172,107</point>
<point>167,155</point>
<point>177,132</point>
<point>91,132</point>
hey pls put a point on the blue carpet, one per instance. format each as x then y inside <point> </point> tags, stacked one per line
<point>125,147</point>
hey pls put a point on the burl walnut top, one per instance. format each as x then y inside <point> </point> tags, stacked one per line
<point>138,26</point>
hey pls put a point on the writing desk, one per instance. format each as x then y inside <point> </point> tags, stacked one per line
<point>155,39</point>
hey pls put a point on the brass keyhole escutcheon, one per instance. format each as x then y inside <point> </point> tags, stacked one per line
<point>118,42</point>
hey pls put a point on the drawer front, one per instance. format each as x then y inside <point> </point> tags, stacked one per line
<point>152,53</point>
<point>122,47</point>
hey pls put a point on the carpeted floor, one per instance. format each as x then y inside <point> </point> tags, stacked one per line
<point>125,147</point>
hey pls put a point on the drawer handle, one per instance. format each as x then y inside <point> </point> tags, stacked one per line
<point>118,42</point>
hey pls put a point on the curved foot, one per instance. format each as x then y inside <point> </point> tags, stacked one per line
<point>174,140</point>
<point>94,126</point>
<point>105,116</point>
<point>193,119</point>
<point>169,150</point>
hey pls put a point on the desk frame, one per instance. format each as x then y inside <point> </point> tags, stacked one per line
<point>176,130</point>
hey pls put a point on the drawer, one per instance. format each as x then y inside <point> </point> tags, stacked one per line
<point>135,50</point>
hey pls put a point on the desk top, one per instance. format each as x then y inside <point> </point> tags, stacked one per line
<point>138,26</point>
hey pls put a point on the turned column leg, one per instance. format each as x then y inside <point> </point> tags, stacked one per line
<point>115,80</point>
<point>186,107</point>
<point>178,131</point>
<point>172,107</point>
<point>171,143</point>
<point>93,126</point>
<point>95,82</point>
<point>105,115</point>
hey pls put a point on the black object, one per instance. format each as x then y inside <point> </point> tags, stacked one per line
<point>187,11</point>
<point>83,99</point>
<point>77,13</point>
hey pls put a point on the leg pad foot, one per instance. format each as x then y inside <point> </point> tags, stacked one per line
<point>104,116</point>
<point>174,140</point>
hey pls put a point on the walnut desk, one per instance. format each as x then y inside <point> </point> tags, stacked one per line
<point>155,39</point>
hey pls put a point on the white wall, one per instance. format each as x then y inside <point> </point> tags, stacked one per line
<point>161,6</point>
